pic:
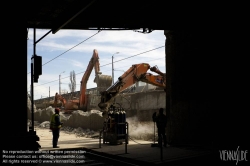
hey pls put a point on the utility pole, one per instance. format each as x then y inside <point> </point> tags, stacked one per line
<point>113,67</point>
<point>60,82</point>
<point>112,71</point>
<point>30,91</point>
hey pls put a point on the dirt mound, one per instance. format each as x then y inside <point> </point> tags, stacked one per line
<point>87,120</point>
<point>89,124</point>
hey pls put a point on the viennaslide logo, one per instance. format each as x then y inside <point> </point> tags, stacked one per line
<point>237,155</point>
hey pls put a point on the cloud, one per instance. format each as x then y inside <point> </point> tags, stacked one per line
<point>69,50</point>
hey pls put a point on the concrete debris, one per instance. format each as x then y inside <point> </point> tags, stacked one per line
<point>45,124</point>
<point>92,120</point>
<point>79,132</point>
<point>89,124</point>
<point>29,123</point>
<point>29,104</point>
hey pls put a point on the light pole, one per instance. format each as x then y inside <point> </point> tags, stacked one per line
<point>113,68</point>
<point>60,82</point>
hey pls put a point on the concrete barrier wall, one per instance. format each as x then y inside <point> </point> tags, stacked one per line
<point>142,104</point>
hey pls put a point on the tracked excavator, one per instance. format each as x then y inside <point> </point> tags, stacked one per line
<point>115,127</point>
<point>138,72</point>
<point>102,81</point>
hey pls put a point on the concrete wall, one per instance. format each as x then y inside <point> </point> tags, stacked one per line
<point>48,101</point>
<point>142,104</point>
<point>138,103</point>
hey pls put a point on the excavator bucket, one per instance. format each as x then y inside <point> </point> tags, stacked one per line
<point>103,82</point>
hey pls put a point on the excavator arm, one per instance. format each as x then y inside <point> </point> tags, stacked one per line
<point>157,80</point>
<point>94,62</point>
<point>102,81</point>
<point>138,72</point>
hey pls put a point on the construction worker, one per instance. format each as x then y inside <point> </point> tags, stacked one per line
<point>55,126</point>
<point>161,123</point>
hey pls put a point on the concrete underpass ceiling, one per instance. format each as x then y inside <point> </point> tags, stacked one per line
<point>100,14</point>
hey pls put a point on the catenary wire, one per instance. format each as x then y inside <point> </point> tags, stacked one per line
<point>133,56</point>
<point>105,64</point>
<point>70,49</point>
<point>76,74</point>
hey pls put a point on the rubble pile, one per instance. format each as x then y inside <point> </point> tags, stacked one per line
<point>79,132</point>
<point>43,115</point>
<point>89,124</point>
<point>45,124</point>
<point>92,120</point>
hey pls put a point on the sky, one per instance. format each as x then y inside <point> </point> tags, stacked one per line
<point>71,50</point>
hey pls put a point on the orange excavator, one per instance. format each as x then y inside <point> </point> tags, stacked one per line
<point>102,81</point>
<point>61,98</point>
<point>138,72</point>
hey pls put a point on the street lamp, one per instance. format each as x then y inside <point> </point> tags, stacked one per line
<point>60,82</point>
<point>113,68</point>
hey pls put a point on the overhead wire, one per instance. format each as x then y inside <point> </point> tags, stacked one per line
<point>70,48</point>
<point>108,64</point>
<point>120,67</point>
<point>133,56</point>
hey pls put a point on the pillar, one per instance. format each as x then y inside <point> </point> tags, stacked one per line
<point>189,88</point>
<point>15,134</point>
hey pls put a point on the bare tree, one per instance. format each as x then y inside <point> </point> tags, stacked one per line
<point>72,84</point>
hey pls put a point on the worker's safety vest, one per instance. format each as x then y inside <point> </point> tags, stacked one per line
<point>53,124</point>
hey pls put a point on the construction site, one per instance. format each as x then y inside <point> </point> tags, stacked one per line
<point>201,88</point>
<point>93,119</point>
<point>135,96</point>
